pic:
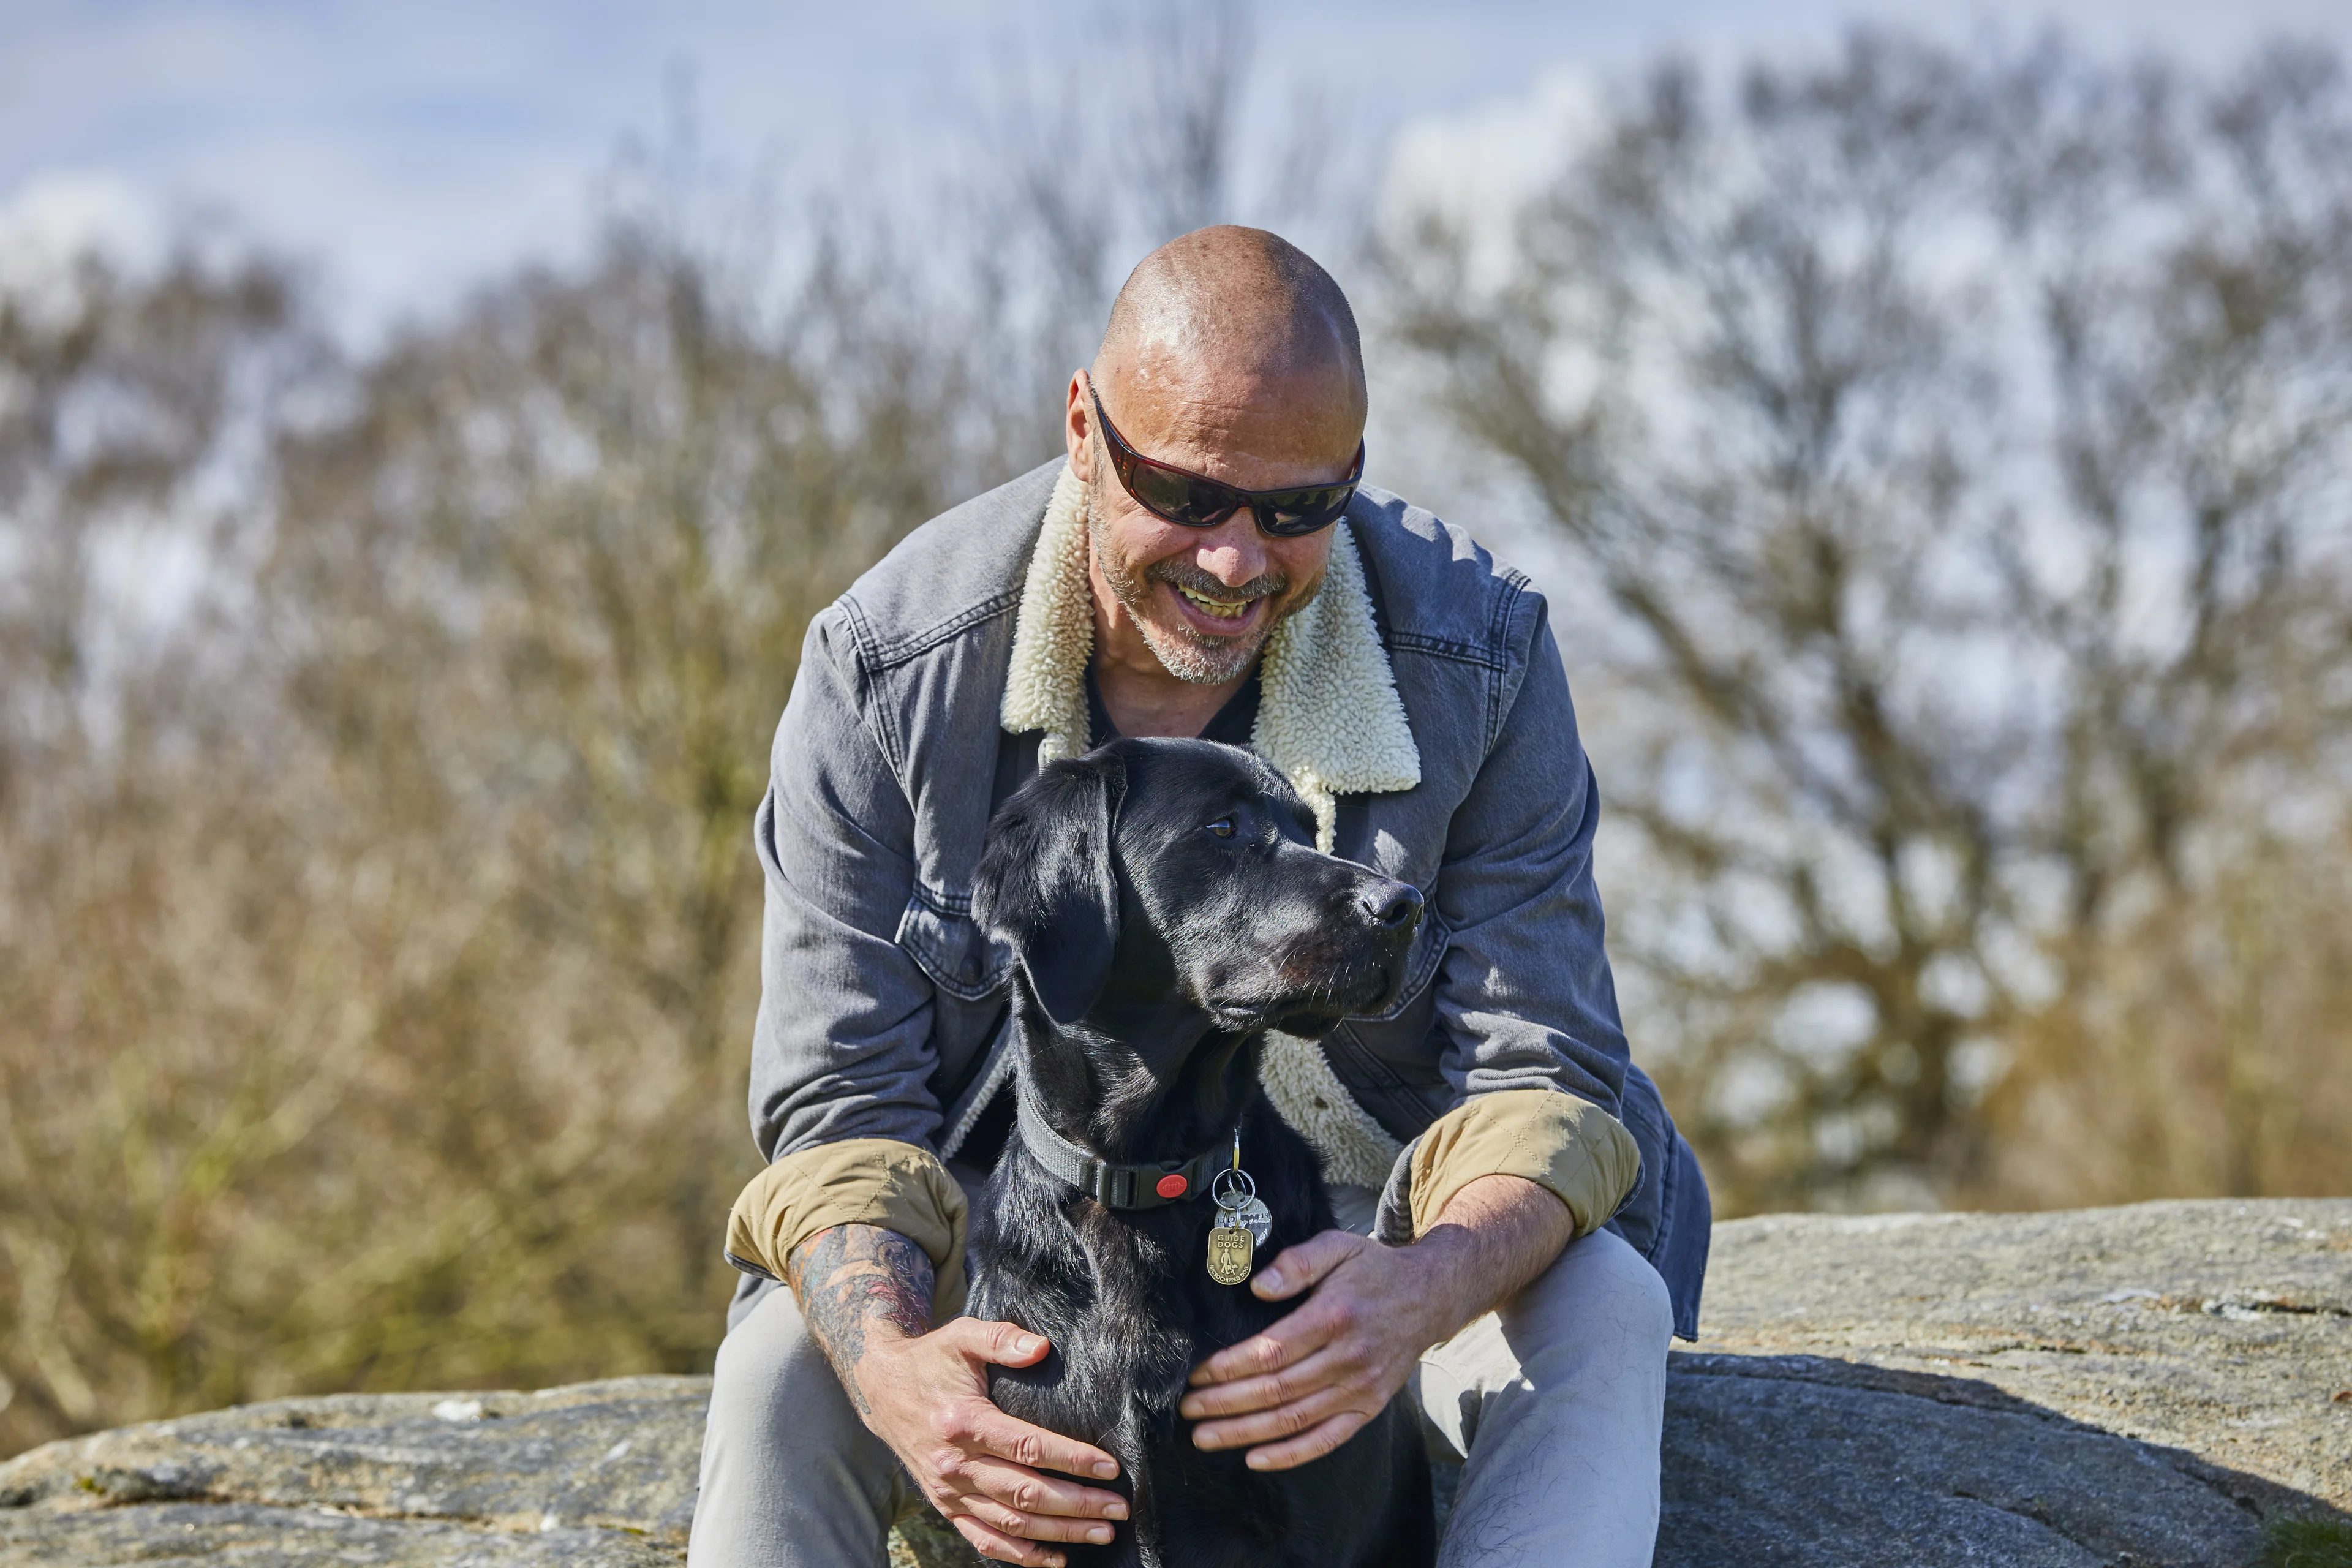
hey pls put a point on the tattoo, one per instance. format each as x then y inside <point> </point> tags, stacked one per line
<point>846,1276</point>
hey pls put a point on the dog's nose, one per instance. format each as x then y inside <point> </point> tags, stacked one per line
<point>1396,906</point>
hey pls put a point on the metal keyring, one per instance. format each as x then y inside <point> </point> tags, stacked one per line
<point>1218,1191</point>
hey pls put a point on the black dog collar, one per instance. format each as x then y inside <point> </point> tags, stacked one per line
<point>1146,1186</point>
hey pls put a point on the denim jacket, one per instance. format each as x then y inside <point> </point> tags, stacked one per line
<point>1425,714</point>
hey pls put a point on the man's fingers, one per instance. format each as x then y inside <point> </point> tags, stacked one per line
<point>1326,1367</point>
<point>1000,1547</point>
<point>1286,1421</point>
<point>1010,1344</point>
<point>1001,1345</point>
<point>990,1431</point>
<point>1312,1444</point>
<point>1297,1267</point>
<point>1027,1491</point>
<point>1012,1521</point>
<point>1290,1339</point>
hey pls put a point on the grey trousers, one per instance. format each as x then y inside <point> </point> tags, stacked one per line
<point>1553,1407</point>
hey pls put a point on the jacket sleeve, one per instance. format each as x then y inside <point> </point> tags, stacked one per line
<point>841,1050</point>
<point>860,1180</point>
<point>1570,1147</point>
<point>1524,999</point>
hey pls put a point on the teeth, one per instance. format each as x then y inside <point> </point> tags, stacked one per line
<point>1223,609</point>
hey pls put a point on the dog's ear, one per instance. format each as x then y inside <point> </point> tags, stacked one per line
<point>1047,885</point>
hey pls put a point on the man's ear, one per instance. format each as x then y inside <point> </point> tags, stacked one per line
<point>1047,885</point>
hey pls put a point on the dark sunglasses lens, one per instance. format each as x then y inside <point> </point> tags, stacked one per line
<point>1179,498</point>
<point>1302,512</point>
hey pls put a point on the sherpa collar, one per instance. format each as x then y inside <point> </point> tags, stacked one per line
<point>1328,716</point>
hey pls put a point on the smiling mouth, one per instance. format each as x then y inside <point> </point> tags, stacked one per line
<point>1216,609</point>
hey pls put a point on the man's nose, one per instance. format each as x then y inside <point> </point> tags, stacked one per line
<point>1234,552</point>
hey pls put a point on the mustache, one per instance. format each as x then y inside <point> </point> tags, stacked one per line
<point>1182,574</point>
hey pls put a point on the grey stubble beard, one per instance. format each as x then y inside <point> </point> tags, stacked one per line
<point>1186,654</point>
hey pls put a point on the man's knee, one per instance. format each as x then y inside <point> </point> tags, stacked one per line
<point>777,1411</point>
<point>790,1474</point>
<point>771,1355</point>
<point>1557,1404</point>
<point>1599,1289</point>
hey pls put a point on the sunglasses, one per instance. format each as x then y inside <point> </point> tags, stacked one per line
<point>1192,501</point>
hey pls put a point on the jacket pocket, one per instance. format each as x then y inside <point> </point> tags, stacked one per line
<point>950,947</point>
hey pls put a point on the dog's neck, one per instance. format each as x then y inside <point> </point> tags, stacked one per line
<point>1147,1184</point>
<point>1093,1084</point>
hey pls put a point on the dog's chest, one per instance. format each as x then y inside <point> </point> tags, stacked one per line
<point>1129,1321</point>
<point>1127,1298</point>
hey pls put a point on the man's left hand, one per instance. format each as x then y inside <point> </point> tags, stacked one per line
<point>1312,1380</point>
<point>1316,1377</point>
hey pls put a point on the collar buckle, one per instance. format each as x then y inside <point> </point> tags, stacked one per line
<point>1146,1187</point>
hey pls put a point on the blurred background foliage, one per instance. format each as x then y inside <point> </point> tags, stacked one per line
<point>1938,460</point>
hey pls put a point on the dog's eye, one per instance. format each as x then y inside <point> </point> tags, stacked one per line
<point>1223,827</point>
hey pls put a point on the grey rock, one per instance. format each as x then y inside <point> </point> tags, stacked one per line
<point>597,1455</point>
<point>1790,1468</point>
<point>255,1535</point>
<point>599,1472</point>
<point>2146,1386</point>
<point>2150,1384</point>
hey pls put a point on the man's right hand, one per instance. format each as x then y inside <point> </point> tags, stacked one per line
<point>865,1294</point>
<point>927,1398</point>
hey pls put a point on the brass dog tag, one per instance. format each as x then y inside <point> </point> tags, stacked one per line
<point>1231,1247</point>
<point>1241,1220</point>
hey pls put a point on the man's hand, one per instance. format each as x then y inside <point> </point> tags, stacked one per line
<point>1310,1382</point>
<point>866,1293</point>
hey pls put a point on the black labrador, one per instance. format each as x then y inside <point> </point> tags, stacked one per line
<point>1166,909</point>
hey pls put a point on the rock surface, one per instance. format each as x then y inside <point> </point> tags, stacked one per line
<point>2146,1385</point>
<point>2150,1385</point>
<point>598,1473</point>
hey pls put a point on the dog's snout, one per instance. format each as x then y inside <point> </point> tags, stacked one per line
<point>1393,906</point>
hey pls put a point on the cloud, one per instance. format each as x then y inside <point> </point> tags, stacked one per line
<point>51,222</point>
<point>1474,172</point>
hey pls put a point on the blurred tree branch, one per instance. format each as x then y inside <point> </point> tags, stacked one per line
<point>1958,446</point>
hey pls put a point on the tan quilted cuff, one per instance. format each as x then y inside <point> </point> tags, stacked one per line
<point>1571,1147</point>
<point>858,1181</point>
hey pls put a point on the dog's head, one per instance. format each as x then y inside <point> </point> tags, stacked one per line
<point>1156,872</point>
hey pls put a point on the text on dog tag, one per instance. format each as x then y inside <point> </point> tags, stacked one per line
<point>1230,1249</point>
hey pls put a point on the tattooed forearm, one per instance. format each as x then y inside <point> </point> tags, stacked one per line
<point>847,1276</point>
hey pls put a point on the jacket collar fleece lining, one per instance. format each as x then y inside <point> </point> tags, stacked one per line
<point>1328,716</point>
<point>1328,719</point>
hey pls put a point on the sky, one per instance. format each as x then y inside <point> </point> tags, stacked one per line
<point>404,153</point>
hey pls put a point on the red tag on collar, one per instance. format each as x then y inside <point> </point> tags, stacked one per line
<point>1172,1186</point>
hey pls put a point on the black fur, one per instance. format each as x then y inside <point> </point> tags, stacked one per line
<point>1154,954</point>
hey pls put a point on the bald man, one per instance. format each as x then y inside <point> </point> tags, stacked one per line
<point>1203,562</point>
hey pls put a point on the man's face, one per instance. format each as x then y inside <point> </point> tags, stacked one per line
<point>1205,600</point>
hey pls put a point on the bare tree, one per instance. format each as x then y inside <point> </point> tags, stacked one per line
<point>117,395</point>
<point>373,1005</point>
<point>1091,157</point>
<point>1187,71</point>
<point>1953,449</point>
<point>377,945</point>
<point>125,401</point>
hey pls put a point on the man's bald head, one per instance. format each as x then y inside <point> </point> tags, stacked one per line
<point>1230,355</point>
<point>1234,306</point>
